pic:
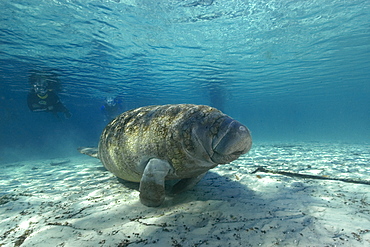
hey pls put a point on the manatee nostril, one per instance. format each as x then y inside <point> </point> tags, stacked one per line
<point>238,153</point>
<point>242,128</point>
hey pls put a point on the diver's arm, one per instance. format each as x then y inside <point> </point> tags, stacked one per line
<point>32,103</point>
<point>59,107</point>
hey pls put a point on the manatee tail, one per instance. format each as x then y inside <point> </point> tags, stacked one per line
<point>93,152</point>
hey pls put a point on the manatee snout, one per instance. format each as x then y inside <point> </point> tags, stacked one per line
<point>234,139</point>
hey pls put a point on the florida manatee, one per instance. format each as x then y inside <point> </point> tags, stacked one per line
<point>182,142</point>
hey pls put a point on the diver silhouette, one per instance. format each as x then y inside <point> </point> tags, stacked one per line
<point>42,96</point>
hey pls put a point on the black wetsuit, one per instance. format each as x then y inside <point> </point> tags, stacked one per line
<point>50,102</point>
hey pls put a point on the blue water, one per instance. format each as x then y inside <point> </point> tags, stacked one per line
<point>291,70</point>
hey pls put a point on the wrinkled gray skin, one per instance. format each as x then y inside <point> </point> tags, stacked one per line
<point>156,143</point>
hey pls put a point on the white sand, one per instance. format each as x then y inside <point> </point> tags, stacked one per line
<point>77,203</point>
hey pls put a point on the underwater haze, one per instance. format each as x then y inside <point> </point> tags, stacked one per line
<point>290,70</point>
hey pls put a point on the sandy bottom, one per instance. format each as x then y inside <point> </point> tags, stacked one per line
<point>75,202</point>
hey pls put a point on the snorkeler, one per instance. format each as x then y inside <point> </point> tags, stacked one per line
<point>42,96</point>
<point>111,108</point>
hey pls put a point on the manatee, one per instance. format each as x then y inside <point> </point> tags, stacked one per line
<point>152,144</point>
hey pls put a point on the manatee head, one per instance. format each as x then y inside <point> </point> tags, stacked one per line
<point>232,140</point>
<point>226,140</point>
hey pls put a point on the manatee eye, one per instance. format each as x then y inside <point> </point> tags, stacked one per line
<point>214,130</point>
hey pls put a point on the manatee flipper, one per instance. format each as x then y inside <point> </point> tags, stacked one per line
<point>152,191</point>
<point>93,152</point>
<point>186,184</point>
